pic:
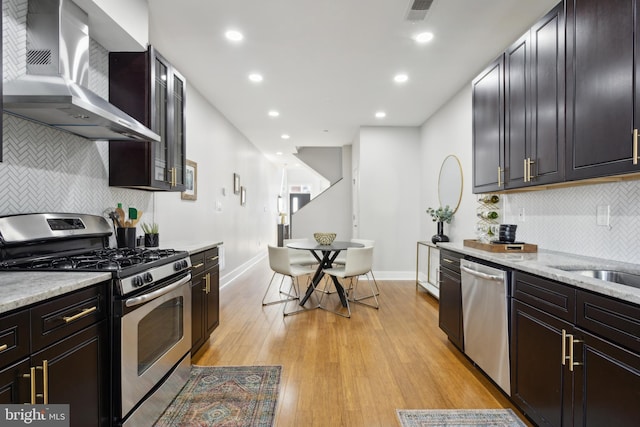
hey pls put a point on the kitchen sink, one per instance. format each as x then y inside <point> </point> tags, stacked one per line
<point>621,277</point>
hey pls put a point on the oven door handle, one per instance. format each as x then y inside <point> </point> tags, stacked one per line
<point>132,302</point>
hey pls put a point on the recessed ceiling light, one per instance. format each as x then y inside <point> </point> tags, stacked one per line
<point>381,115</point>
<point>234,36</point>
<point>255,77</point>
<point>423,37</point>
<point>285,136</point>
<point>279,153</point>
<point>400,78</point>
<point>273,113</point>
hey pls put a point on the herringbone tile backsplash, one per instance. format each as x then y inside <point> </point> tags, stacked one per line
<point>565,220</point>
<point>47,170</point>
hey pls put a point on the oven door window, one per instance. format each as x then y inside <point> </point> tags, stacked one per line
<point>158,331</point>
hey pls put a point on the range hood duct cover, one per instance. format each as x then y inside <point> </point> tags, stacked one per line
<point>54,90</point>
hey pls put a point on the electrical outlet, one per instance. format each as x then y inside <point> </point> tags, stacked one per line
<point>603,215</point>
<point>521,214</point>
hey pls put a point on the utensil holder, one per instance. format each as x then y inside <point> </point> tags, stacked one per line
<point>126,237</point>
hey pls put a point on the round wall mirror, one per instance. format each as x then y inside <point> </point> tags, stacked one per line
<point>450,183</point>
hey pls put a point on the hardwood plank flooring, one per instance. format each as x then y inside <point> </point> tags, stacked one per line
<point>348,372</point>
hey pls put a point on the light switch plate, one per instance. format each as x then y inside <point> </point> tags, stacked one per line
<point>603,215</point>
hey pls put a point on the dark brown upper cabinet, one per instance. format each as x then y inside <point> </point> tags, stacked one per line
<point>146,86</point>
<point>518,111</point>
<point>602,88</point>
<point>488,128</point>
<point>534,104</point>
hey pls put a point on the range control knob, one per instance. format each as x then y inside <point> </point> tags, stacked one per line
<point>148,277</point>
<point>180,265</point>
<point>137,281</point>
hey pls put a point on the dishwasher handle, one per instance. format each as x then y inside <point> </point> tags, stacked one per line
<point>492,277</point>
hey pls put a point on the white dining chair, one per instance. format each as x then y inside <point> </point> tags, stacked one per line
<point>281,265</point>
<point>342,256</point>
<point>358,262</point>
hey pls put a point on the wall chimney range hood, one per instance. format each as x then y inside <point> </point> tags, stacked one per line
<point>54,90</point>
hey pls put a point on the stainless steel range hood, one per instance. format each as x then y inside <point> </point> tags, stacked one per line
<point>54,91</point>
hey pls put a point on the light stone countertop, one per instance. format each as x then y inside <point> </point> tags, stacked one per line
<point>23,288</point>
<point>545,263</point>
<point>191,246</point>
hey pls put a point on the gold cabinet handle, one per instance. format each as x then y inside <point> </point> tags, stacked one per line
<point>45,382</point>
<point>499,176</point>
<point>84,312</point>
<point>32,376</point>
<point>529,163</point>
<point>525,170</point>
<point>635,146</point>
<point>213,258</point>
<point>448,260</point>
<point>198,265</point>
<point>208,281</point>
<point>572,341</point>
<point>3,347</point>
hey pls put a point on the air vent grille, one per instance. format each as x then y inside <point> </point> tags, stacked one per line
<point>39,57</point>
<point>418,9</point>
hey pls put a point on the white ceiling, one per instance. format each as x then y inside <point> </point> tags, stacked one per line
<point>328,65</point>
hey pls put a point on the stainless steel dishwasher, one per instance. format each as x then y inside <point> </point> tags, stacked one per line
<point>485,317</point>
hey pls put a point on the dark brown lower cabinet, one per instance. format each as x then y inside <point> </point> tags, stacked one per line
<point>68,336</point>
<point>539,383</point>
<point>575,359</point>
<point>205,296</point>
<point>450,298</point>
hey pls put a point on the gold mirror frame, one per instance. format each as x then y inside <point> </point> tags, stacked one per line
<point>450,183</point>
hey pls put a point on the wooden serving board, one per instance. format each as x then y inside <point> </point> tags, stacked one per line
<point>501,247</point>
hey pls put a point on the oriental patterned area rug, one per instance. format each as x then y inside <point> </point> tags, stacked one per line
<point>229,396</point>
<point>459,418</point>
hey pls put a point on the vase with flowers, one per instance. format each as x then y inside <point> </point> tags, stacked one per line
<point>440,216</point>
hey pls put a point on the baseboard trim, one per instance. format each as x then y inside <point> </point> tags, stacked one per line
<point>241,269</point>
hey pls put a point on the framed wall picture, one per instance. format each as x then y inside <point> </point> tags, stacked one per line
<point>236,183</point>
<point>243,196</point>
<point>190,181</point>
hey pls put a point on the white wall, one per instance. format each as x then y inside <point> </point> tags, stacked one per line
<point>389,202</point>
<point>220,150</point>
<point>448,131</point>
<point>330,211</point>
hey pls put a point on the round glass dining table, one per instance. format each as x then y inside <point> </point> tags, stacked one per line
<point>325,255</point>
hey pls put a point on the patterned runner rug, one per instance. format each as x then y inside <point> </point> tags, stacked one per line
<point>230,396</point>
<point>459,418</point>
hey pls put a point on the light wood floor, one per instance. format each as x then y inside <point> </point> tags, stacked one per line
<point>348,372</point>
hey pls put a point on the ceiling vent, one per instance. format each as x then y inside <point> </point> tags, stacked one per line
<point>418,9</point>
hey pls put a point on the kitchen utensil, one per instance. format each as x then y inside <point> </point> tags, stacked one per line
<point>126,237</point>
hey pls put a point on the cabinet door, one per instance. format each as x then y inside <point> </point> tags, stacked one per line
<point>78,375</point>
<point>14,387</point>
<point>178,159</point>
<point>534,104</point>
<point>213,301</point>
<point>197,313</point>
<point>602,97</point>
<point>607,384</point>
<point>546,154</point>
<point>540,384</point>
<point>488,128</point>
<point>450,306</point>
<point>160,79</point>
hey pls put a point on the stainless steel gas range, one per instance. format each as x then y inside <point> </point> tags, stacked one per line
<point>150,328</point>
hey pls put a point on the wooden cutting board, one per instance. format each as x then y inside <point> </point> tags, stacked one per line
<point>501,247</point>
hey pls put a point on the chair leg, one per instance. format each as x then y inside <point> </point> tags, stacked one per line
<point>375,282</point>
<point>300,309</point>
<point>348,315</point>
<point>361,299</point>
<point>291,296</point>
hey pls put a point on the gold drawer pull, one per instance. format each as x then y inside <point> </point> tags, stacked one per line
<point>213,258</point>
<point>198,265</point>
<point>84,312</point>
<point>3,347</point>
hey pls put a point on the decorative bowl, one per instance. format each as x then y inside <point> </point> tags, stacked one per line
<point>324,238</point>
